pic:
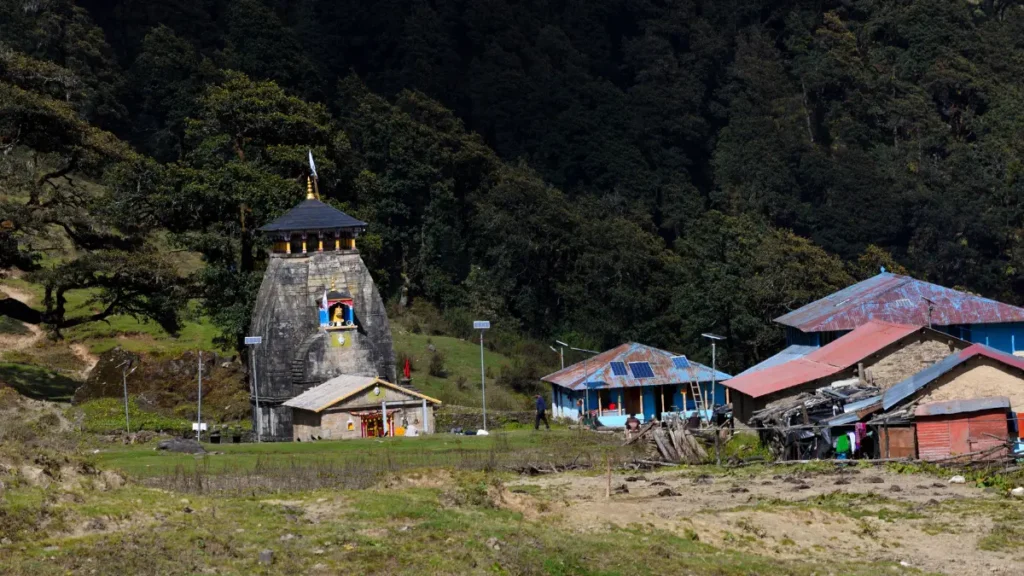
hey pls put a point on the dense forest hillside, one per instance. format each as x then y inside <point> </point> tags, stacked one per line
<point>601,170</point>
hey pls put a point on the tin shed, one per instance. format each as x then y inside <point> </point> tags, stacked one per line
<point>946,429</point>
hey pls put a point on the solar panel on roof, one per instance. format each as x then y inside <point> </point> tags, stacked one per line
<point>680,362</point>
<point>619,368</point>
<point>641,369</point>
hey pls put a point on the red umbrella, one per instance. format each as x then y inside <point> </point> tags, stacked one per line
<point>407,371</point>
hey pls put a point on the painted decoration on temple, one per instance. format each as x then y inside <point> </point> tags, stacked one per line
<point>340,340</point>
<point>337,311</point>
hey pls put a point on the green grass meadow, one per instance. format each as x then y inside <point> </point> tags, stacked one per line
<point>128,332</point>
<point>428,451</point>
<point>38,383</point>
<point>461,384</point>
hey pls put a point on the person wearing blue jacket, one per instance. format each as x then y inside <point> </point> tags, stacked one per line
<point>541,407</point>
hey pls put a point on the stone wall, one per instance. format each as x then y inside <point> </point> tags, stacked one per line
<point>296,353</point>
<point>980,378</point>
<point>909,359</point>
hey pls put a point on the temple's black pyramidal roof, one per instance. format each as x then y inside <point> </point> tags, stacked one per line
<point>312,214</point>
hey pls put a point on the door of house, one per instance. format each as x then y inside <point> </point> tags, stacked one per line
<point>631,400</point>
<point>667,399</point>
<point>987,430</point>
<point>373,426</point>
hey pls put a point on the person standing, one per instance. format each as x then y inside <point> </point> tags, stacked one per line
<point>541,407</point>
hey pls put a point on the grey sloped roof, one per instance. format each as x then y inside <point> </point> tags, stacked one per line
<point>339,388</point>
<point>961,406</point>
<point>312,214</point>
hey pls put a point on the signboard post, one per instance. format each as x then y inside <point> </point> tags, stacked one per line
<point>253,342</point>
<point>199,406</point>
<point>127,367</point>
<point>482,326</point>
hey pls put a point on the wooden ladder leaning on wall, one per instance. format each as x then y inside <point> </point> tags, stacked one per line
<point>699,402</point>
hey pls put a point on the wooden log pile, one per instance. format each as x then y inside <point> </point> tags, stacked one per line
<point>807,407</point>
<point>789,427</point>
<point>671,443</point>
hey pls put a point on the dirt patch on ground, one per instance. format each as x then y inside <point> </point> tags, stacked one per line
<point>870,514</point>
<point>424,479</point>
<point>312,511</point>
<point>88,359</point>
<point>17,343</point>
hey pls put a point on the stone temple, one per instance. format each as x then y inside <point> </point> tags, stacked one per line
<point>318,312</point>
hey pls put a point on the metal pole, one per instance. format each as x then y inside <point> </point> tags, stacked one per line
<point>124,381</point>
<point>586,389</point>
<point>714,373</point>
<point>199,409</point>
<point>256,392</point>
<point>483,388</point>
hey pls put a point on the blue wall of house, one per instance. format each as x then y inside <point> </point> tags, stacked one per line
<point>1007,337</point>
<point>650,407</point>
<point>795,336</point>
<point>563,401</point>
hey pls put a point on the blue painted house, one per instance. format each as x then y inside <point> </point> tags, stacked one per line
<point>905,300</point>
<point>634,379</point>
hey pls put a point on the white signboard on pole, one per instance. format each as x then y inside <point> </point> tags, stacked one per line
<point>251,340</point>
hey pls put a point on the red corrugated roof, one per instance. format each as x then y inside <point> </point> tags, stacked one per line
<point>830,359</point>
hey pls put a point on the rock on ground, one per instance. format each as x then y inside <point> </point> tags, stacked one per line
<point>182,445</point>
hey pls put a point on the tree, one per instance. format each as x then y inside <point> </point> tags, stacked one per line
<point>51,162</point>
<point>167,78</point>
<point>62,33</point>
<point>245,163</point>
<point>739,275</point>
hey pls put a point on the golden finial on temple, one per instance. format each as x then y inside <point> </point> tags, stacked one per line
<point>309,188</point>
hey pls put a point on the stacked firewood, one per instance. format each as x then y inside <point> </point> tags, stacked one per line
<point>670,442</point>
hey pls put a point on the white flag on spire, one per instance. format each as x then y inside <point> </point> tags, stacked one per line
<point>312,165</point>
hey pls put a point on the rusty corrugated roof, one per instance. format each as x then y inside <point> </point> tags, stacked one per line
<point>835,357</point>
<point>788,354</point>
<point>900,300</point>
<point>598,372</point>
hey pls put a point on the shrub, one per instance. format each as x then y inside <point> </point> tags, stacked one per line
<point>106,415</point>
<point>11,326</point>
<point>437,367</point>
<point>522,376</point>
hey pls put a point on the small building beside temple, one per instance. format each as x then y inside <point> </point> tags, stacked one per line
<point>318,312</point>
<point>348,407</point>
<point>635,379</point>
